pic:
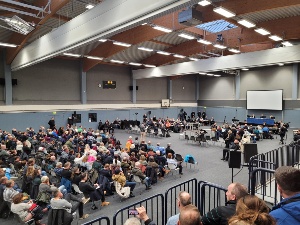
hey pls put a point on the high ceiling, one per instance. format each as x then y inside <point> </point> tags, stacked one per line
<point>281,18</point>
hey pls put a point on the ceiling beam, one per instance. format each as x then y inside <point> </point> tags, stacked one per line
<point>20,39</point>
<point>104,20</point>
<point>231,62</point>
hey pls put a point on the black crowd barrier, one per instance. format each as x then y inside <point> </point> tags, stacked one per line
<point>171,195</point>
<point>99,221</point>
<point>211,196</point>
<point>205,196</point>
<point>265,188</point>
<point>154,206</point>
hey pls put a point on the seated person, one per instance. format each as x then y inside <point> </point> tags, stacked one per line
<point>121,179</point>
<point>245,140</point>
<point>175,162</point>
<point>169,150</point>
<point>266,132</point>
<point>57,202</point>
<point>221,214</point>
<point>9,192</point>
<point>22,209</point>
<point>235,146</point>
<point>95,193</point>
<point>138,172</point>
<point>251,210</point>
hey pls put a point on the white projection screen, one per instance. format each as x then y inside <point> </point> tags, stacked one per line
<point>266,100</point>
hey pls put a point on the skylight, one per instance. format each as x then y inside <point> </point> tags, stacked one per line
<point>216,26</point>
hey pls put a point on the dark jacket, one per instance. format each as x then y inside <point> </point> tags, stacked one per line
<point>219,215</point>
<point>59,217</point>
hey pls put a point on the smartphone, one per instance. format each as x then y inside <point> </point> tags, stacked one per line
<point>132,212</point>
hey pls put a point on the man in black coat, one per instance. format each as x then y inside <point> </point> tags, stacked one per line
<point>221,214</point>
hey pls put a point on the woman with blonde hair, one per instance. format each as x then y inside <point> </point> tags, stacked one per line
<point>251,210</point>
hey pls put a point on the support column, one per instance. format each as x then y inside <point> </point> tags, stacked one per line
<point>169,89</point>
<point>8,82</point>
<point>237,85</point>
<point>133,93</point>
<point>197,89</point>
<point>83,84</point>
<point>295,81</point>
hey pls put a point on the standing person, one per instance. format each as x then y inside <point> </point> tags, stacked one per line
<point>282,133</point>
<point>183,199</point>
<point>143,132</point>
<point>51,123</point>
<point>221,214</point>
<point>288,210</point>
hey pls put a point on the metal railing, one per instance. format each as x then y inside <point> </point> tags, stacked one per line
<point>211,196</point>
<point>155,206</point>
<point>99,221</point>
<point>171,194</point>
<point>265,189</point>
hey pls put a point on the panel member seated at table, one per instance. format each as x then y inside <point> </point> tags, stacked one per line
<point>253,116</point>
<point>262,116</point>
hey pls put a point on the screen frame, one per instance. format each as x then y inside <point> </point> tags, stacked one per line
<point>264,108</point>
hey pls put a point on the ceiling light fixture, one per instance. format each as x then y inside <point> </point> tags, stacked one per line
<point>275,38</point>
<point>8,45</point>
<point>193,59</point>
<point>204,41</point>
<point>219,46</point>
<point>163,53</point>
<point>217,75</point>
<point>145,49</point>
<point>280,64</point>
<point>147,65</point>
<point>245,69</point>
<point>210,74</point>
<point>246,23</point>
<point>202,73</point>
<point>94,57</point>
<point>103,40</point>
<point>207,56</point>
<point>179,56</point>
<point>204,2</point>
<point>72,55</point>
<point>117,61</point>
<point>186,36</point>
<point>262,31</point>
<point>89,6</point>
<point>234,50</point>
<point>144,24</point>
<point>135,64</point>
<point>224,12</point>
<point>19,25</point>
<point>121,44</point>
<point>163,29</point>
<point>287,43</point>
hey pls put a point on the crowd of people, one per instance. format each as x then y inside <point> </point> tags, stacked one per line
<point>43,171</point>
<point>241,208</point>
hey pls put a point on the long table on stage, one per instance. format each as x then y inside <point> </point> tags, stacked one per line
<point>260,121</point>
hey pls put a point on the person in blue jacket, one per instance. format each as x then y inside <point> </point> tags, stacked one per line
<point>288,183</point>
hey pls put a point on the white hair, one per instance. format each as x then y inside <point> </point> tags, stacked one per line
<point>132,221</point>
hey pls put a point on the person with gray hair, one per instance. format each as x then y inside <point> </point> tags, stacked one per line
<point>183,199</point>
<point>221,214</point>
<point>288,185</point>
<point>136,171</point>
<point>132,221</point>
